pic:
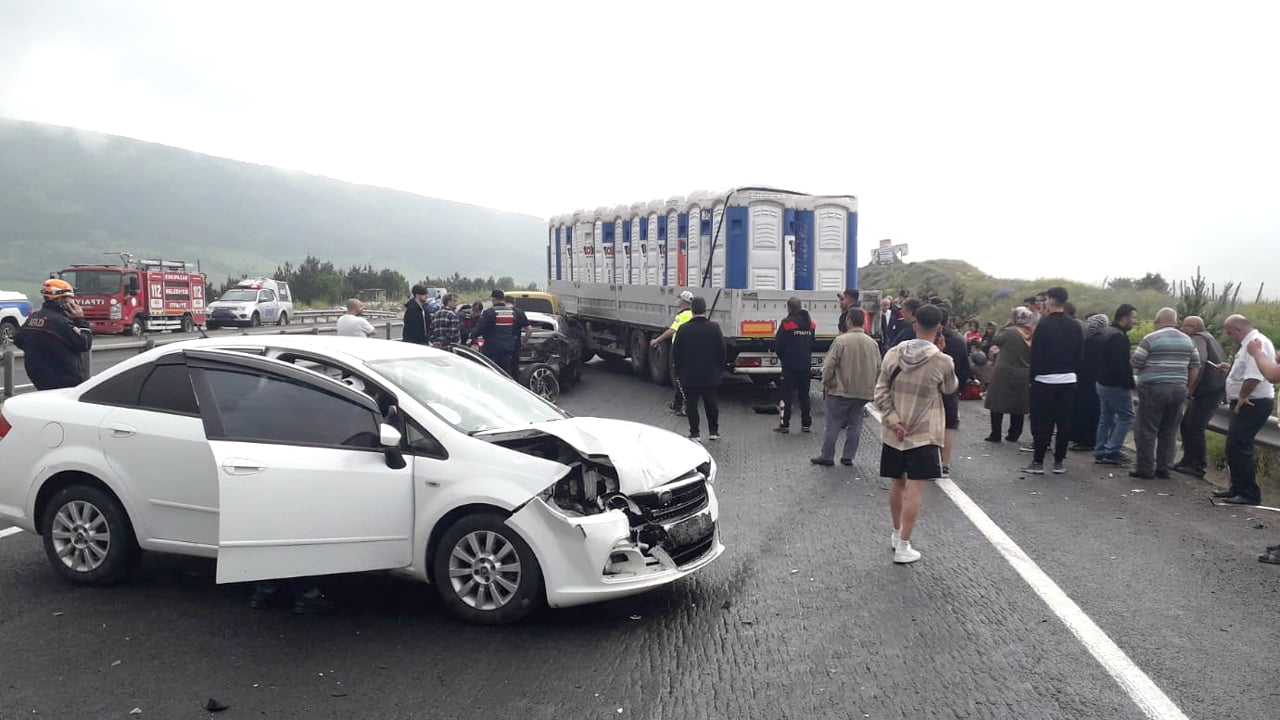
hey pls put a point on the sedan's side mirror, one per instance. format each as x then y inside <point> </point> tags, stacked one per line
<point>389,438</point>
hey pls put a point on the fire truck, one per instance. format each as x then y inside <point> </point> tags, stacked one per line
<point>138,296</point>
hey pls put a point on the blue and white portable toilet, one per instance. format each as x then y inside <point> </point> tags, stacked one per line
<point>693,206</point>
<point>636,261</point>
<point>657,244</point>
<point>675,242</point>
<point>619,262</point>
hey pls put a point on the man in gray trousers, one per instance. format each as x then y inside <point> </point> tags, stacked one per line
<point>1168,368</point>
<point>849,375</point>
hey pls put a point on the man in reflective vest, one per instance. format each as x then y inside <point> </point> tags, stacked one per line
<point>682,317</point>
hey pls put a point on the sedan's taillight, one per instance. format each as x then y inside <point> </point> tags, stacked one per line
<point>5,427</point>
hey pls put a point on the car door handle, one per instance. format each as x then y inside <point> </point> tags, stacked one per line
<point>237,466</point>
<point>121,430</point>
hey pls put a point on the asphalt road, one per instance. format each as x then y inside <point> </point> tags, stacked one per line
<point>805,616</point>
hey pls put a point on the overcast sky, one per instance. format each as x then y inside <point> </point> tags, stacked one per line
<point>1032,139</point>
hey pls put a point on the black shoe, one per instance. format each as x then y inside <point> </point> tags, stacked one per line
<point>821,461</point>
<point>1271,557</point>
<point>1011,438</point>
<point>782,429</point>
<point>1142,475</point>
<point>846,461</point>
<point>1117,460</point>
<point>1223,493</point>
<point>1081,447</point>
<point>1188,470</point>
<point>992,438</point>
<point>1163,475</point>
<point>681,413</point>
<point>1239,500</point>
<point>263,598</point>
<point>312,603</point>
<point>805,429</point>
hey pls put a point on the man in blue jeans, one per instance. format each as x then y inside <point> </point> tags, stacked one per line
<point>1115,389</point>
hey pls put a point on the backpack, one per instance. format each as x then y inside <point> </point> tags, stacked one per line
<point>1212,381</point>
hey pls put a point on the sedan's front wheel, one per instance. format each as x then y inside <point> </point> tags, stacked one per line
<point>485,572</point>
<point>88,537</point>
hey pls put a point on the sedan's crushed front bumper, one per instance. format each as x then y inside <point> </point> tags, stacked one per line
<point>595,557</point>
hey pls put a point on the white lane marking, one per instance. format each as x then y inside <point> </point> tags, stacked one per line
<point>10,531</point>
<point>1252,507</point>
<point>1144,692</point>
<point>1141,689</point>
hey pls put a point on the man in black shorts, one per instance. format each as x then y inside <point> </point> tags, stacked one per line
<point>913,378</point>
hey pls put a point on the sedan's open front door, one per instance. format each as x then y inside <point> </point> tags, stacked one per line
<point>304,486</point>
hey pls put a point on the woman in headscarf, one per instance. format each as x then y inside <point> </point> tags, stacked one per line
<point>1084,415</point>
<point>1010,390</point>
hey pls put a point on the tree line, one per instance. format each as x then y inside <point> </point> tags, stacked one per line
<point>320,282</point>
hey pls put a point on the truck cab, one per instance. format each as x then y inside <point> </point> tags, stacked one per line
<point>252,302</point>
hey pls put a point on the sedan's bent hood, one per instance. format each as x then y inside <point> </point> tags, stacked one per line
<point>643,456</point>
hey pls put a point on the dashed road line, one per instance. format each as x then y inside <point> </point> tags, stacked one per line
<point>1137,684</point>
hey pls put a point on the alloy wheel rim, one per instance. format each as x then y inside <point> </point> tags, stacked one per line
<point>540,384</point>
<point>81,536</point>
<point>484,570</point>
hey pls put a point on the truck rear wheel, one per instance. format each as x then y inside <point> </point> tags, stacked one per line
<point>188,324</point>
<point>660,363</point>
<point>639,353</point>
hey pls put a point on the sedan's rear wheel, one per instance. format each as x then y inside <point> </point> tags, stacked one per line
<point>485,572</point>
<point>88,537</point>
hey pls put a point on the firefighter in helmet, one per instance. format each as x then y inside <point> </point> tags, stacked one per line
<point>54,337</point>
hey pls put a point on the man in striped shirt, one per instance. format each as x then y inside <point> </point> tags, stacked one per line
<point>1168,368</point>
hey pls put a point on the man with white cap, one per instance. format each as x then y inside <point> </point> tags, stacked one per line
<point>682,316</point>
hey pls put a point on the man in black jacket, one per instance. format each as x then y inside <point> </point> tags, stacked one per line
<point>699,357</point>
<point>906,330</point>
<point>1209,392</point>
<point>54,337</point>
<point>501,326</point>
<point>1115,389</point>
<point>955,347</point>
<point>794,343</point>
<point>416,329</point>
<point>1057,348</point>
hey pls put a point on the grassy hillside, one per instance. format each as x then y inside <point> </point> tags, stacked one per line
<point>67,196</point>
<point>974,293</point>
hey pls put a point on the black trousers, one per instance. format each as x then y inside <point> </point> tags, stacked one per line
<point>1051,408</point>
<point>505,359</point>
<point>1084,414</point>
<point>1194,421</point>
<point>709,403</point>
<point>795,390</point>
<point>1015,425</point>
<point>1244,427</point>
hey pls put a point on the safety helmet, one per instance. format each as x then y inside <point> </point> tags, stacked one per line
<point>686,296</point>
<point>54,288</point>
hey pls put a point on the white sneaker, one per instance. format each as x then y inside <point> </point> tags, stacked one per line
<point>904,553</point>
<point>894,539</point>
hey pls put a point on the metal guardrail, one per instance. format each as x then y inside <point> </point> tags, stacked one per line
<point>314,316</point>
<point>1268,436</point>
<point>10,356</point>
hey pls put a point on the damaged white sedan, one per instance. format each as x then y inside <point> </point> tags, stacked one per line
<point>292,456</point>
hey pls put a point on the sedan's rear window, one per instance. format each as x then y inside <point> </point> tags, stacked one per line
<point>541,305</point>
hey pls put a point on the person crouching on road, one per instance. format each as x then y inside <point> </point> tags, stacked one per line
<point>913,378</point>
<point>848,384</point>
<point>794,343</point>
<point>53,338</point>
<point>699,363</point>
<point>446,329</point>
<point>683,313</point>
<point>353,324</point>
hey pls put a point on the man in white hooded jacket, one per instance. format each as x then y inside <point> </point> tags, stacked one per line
<point>913,378</point>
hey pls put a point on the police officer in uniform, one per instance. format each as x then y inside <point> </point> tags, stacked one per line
<point>54,337</point>
<point>501,326</point>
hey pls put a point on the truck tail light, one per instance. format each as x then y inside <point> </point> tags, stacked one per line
<point>5,427</point>
<point>747,362</point>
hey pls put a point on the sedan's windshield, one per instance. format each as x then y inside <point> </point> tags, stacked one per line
<point>239,296</point>
<point>469,396</point>
<point>93,282</point>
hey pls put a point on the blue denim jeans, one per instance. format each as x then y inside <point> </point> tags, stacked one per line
<point>1114,420</point>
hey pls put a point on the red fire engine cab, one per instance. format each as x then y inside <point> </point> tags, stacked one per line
<point>138,296</point>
